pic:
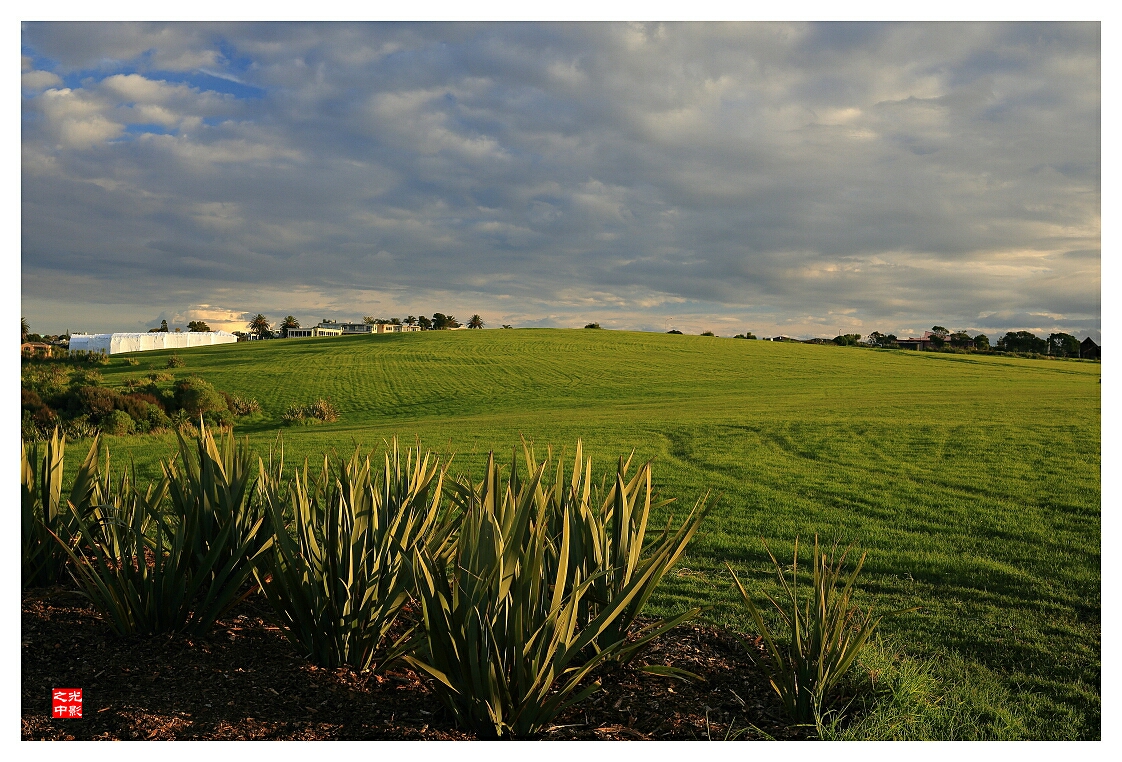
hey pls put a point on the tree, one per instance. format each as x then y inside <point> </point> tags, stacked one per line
<point>940,331</point>
<point>847,339</point>
<point>260,327</point>
<point>1063,345</point>
<point>198,326</point>
<point>959,339</point>
<point>441,322</point>
<point>475,322</point>
<point>425,323</point>
<point>981,341</point>
<point>1022,341</point>
<point>24,329</point>
<point>395,321</point>
<point>593,325</point>
<point>163,326</point>
<point>288,322</point>
<point>369,319</point>
<point>675,330</point>
<point>410,320</point>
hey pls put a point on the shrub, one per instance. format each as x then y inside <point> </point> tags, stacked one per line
<point>94,401</point>
<point>197,397</point>
<point>593,325</point>
<point>707,333</point>
<point>825,633</point>
<point>159,376</point>
<point>673,330</point>
<point>320,411</point>
<point>87,377</point>
<point>132,361</point>
<point>79,427</point>
<point>175,361</point>
<point>340,584</point>
<point>118,423</point>
<point>240,406</point>
<point>502,642</point>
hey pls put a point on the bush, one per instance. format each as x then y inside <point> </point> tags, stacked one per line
<point>197,397</point>
<point>175,361</point>
<point>118,423</point>
<point>672,330</point>
<point>825,633</point>
<point>95,401</point>
<point>707,333</point>
<point>132,361</point>
<point>593,325</point>
<point>339,586</point>
<point>159,376</point>
<point>240,406</point>
<point>501,634</point>
<point>609,545</point>
<point>320,411</point>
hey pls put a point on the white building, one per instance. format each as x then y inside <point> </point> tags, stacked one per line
<point>316,330</point>
<point>116,343</point>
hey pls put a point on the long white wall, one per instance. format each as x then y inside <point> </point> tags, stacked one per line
<point>116,343</point>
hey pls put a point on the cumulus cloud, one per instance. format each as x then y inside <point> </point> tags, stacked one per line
<point>795,178</point>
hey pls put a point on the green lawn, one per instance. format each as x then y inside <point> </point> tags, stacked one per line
<point>972,481</point>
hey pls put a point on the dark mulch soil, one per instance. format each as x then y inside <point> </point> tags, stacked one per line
<point>244,681</point>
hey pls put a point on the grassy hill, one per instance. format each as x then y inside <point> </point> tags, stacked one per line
<point>972,481</point>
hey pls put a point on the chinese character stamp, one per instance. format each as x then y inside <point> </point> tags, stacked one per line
<point>66,702</point>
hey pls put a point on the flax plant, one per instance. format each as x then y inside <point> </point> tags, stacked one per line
<point>608,543</point>
<point>338,576</point>
<point>825,631</point>
<point>149,570</point>
<point>46,513</point>
<point>503,637</point>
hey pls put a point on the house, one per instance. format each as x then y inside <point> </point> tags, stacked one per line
<point>347,329</point>
<point>914,343</point>
<point>1089,350</point>
<point>35,348</point>
<point>317,330</point>
<point>116,343</point>
<point>395,328</point>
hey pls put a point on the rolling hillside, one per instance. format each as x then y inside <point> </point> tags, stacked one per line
<point>973,482</point>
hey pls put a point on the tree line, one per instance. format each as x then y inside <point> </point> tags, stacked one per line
<point>1024,342</point>
<point>262,328</point>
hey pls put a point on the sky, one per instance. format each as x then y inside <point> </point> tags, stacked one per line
<point>781,178</point>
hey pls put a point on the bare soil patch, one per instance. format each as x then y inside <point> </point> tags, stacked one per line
<point>244,681</point>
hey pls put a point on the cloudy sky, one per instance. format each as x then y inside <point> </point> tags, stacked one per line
<point>806,179</point>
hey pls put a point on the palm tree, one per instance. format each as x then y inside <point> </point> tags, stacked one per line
<point>24,329</point>
<point>475,322</point>
<point>410,320</point>
<point>260,326</point>
<point>288,322</point>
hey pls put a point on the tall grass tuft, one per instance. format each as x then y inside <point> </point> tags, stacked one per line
<point>148,571</point>
<point>503,637</point>
<point>825,632</point>
<point>45,514</point>
<point>338,576</point>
